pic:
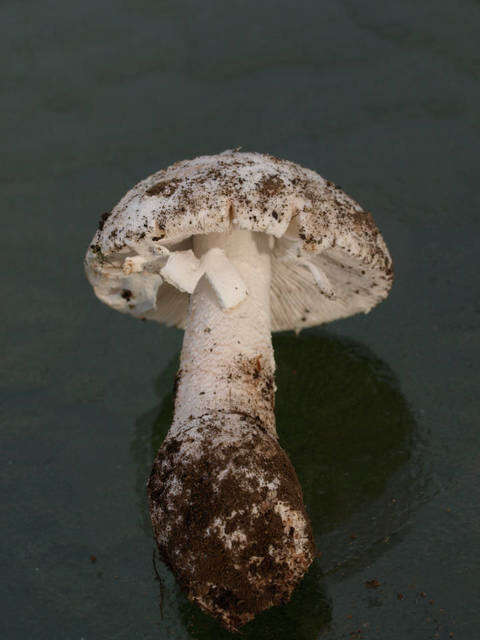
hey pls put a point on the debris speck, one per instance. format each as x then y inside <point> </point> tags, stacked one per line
<point>372,584</point>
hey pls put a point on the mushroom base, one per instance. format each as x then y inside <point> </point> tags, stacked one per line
<point>228,516</point>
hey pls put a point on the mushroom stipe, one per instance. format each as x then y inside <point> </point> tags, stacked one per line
<point>230,248</point>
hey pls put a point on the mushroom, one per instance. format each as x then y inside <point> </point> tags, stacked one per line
<point>231,247</point>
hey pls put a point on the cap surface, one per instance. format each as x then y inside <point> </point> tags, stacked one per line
<point>328,258</point>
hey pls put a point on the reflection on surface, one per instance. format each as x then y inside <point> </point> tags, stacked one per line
<point>354,444</point>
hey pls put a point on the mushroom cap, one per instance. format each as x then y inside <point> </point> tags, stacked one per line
<point>329,260</point>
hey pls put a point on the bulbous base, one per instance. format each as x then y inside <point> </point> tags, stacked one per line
<point>228,516</point>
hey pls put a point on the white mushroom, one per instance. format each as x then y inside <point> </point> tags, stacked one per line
<point>232,247</point>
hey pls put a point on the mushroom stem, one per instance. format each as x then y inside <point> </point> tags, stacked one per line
<point>225,502</point>
<point>227,361</point>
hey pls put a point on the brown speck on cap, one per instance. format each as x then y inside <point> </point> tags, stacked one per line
<point>103,219</point>
<point>127,294</point>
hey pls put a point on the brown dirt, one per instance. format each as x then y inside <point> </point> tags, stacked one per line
<point>270,185</point>
<point>103,219</point>
<point>127,294</point>
<point>164,188</point>
<point>199,485</point>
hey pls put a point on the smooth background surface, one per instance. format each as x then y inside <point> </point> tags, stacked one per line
<point>379,413</point>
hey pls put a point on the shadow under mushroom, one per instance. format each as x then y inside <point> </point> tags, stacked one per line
<point>357,450</point>
<point>353,441</point>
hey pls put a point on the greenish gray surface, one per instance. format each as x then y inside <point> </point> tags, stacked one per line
<point>379,413</point>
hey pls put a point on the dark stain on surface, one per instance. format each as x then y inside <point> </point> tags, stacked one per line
<point>127,294</point>
<point>103,218</point>
<point>176,382</point>
<point>164,188</point>
<point>270,185</point>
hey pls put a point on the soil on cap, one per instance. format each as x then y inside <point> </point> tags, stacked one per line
<point>164,188</point>
<point>103,218</point>
<point>270,185</point>
<point>127,294</point>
